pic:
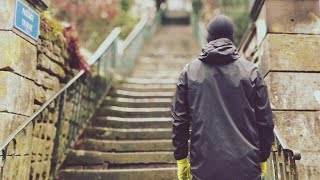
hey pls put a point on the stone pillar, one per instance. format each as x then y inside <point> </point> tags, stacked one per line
<point>285,43</point>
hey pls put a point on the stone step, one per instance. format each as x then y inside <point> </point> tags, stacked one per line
<point>155,75</point>
<point>151,80</point>
<point>124,123</point>
<point>125,146</point>
<point>159,69</point>
<point>139,94</point>
<point>137,102</point>
<point>80,157</point>
<point>143,73</point>
<point>147,87</point>
<point>127,134</point>
<point>120,174</point>
<point>153,60</point>
<point>117,111</point>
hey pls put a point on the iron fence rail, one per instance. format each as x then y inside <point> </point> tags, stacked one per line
<point>51,130</point>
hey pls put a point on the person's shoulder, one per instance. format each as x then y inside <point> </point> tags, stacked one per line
<point>249,68</point>
<point>191,65</point>
<point>247,63</point>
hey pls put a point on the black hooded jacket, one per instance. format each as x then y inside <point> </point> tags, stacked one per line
<point>224,99</point>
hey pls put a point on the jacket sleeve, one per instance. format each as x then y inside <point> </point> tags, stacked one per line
<point>181,119</point>
<point>264,119</point>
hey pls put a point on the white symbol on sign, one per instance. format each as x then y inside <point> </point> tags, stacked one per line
<point>28,14</point>
<point>27,25</point>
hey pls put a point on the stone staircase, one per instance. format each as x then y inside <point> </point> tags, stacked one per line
<point>130,138</point>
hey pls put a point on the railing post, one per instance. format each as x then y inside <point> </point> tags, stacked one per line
<point>115,54</point>
<point>56,147</point>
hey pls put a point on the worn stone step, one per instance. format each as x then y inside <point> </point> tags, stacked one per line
<point>124,146</point>
<point>143,73</point>
<point>127,134</point>
<point>137,102</point>
<point>117,111</point>
<point>155,75</point>
<point>151,80</point>
<point>164,59</point>
<point>120,174</point>
<point>124,123</point>
<point>139,94</point>
<point>147,87</point>
<point>79,157</point>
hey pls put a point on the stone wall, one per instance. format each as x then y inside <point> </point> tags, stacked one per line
<point>31,72</point>
<point>285,43</point>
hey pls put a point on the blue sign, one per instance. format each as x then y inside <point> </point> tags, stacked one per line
<point>26,20</point>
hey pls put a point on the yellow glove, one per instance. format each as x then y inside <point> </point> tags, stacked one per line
<point>263,166</point>
<point>184,169</point>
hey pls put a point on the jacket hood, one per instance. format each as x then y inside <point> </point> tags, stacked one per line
<point>219,51</point>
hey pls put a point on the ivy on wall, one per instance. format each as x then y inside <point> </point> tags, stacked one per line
<point>65,37</point>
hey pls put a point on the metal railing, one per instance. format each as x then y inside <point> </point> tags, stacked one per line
<point>281,163</point>
<point>282,160</point>
<point>199,29</point>
<point>46,136</point>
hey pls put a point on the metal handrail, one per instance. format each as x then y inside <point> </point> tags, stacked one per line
<point>296,153</point>
<point>31,118</point>
<point>134,33</point>
<point>70,109</point>
<point>102,48</point>
<point>105,45</point>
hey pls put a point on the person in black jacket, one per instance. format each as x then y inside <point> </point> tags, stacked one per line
<point>224,99</point>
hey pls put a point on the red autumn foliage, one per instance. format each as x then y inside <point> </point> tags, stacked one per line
<point>77,61</point>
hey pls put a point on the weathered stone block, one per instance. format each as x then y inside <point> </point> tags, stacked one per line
<point>288,52</point>
<point>48,45</point>
<point>57,70</point>
<point>40,95</point>
<point>293,16</point>
<point>290,17</point>
<point>36,107</point>
<point>39,42</point>
<point>47,80</point>
<point>293,91</point>
<point>41,49</point>
<point>53,117</point>
<point>36,170</point>
<point>61,60</point>
<point>16,94</point>
<point>38,149</point>
<point>55,58</point>
<point>17,55</point>
<point>49,94</point>
<point>43,62</point>
<point>309,167</point>
<point>17,167</point>
<point>6,14</point>
<point>51,132</point>
<point>298,128</point>
<point>56,50</point>
<point>8,123</point>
